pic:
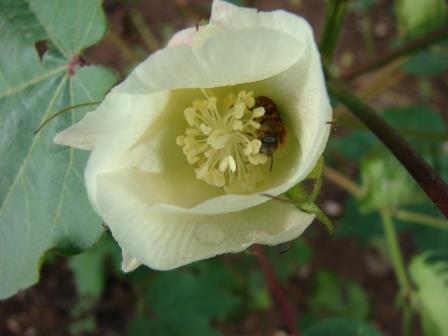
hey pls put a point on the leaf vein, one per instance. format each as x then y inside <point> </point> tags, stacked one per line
<point>33,144</point>
<point>49,32</point>
<point>31,82</point>
<point>87,31</point>
<point>28,225</point>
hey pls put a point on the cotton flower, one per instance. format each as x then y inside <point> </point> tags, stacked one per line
<point>178,170</point>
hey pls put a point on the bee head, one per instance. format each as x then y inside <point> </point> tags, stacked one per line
<point>268,144</point>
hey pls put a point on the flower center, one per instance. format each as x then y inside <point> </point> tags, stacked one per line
<point>223,143</point>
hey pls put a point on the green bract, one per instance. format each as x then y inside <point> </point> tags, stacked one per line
<point>145,187</point>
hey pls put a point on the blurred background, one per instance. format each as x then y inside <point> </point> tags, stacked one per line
<point>344,277</point>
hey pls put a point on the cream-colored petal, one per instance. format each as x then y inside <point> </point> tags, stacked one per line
<point>163,238</point>
<point>308,111</point>
<point>229,16</point>
<point>225,13</point>
<point>120,147</point>
<point>129,262</point>
<point>82,135</point>
<point>225,57</point>
<point>184,36</point>
<point>300,92</point>
<point>302,100</point>
<point>108,116</point>
<point>301,96</point>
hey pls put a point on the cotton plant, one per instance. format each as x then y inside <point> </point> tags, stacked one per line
<point>186,156</point>
<point>213,144</point>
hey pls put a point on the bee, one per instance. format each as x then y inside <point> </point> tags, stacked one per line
<point>272,132</point>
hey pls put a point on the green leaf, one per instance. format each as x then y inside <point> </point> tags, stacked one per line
<point>386,184</point>
<point>215,271</point>
<point>89,267</point>
<point>142,325</point>
<point>418,17</point>
<point>43,205</point>
<point>355,223</point>
<point>361,5</point>
<point>339,327</point>
<point>259,298</point>
<point>185,304</point>
<point>354,145</point>
<point>412,121</point>
<point>384,180</point>
<point>366,225</point>
<point>430,62</point>
<point>420,125</point>
<point>431,278</point>
<point>335,296</point>
<point>428,238</point>
<point>289,258</point>
<point>83,321</point>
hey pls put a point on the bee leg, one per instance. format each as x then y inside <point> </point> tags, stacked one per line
<point>272,163</point>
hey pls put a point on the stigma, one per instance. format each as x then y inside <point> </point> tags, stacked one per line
<point>221,141</point>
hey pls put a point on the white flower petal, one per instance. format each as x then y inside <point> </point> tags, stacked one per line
<point>301,97</point>
<point>120,147</point>
<point>260,53</point>
<point>226,13</point>
<point>300,93</point>
<point>129,263</point>
<point>137,176</point>
<point>184,36</point>
<point>85,134</point>
<point>300,88</point>
<point>163,238</point>
<point>229,16</point>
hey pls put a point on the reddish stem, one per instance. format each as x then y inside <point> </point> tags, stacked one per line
<point>74,62</point>
<point>276,290</point>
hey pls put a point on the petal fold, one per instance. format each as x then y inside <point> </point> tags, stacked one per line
<point>118,147</point>
<point>164,238</point>
<point>129,263</point>
<point>226,57</point>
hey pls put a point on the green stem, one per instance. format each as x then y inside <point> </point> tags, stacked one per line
<point>335,15</point>
<point>419,218</point>
<point>143,29</point>
<point>407,320</point>
<point>348,185</point>
<point>342,181</point>
<point>420,170</point>
<point>123,46</point>
<point>409,48</point>
<point>367,37</point>
<point>395,252</point>
<point>399,267</point>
